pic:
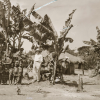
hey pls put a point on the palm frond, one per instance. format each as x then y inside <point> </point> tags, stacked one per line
<point>84,48</point>
<point>37,16</point>
<point>87,42</point>
<point>48,23</point>
<point>31,10</point>
<point>69,39</point>
<point>97,28</point>
<point>24,11</point>
<point>93,42</point>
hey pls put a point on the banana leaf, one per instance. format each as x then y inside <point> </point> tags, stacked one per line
<point>93,42</point>
<point>87,42</point>
<point>31,11</point>
<point>69,39</point>
<point>48,23</point>
<point>37,16</point>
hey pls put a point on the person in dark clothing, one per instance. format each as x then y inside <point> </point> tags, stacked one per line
<point>52,75</point>
<point>5,74</point>
<point>51,66</point>
<point>19,79</point>
<point>82,66</point>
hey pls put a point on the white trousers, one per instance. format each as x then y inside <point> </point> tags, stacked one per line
<point>36,71</point>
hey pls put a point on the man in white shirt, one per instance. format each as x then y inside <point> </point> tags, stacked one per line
<point>38,59</point>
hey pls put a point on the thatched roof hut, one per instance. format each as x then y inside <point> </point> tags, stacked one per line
<point>73,59</point>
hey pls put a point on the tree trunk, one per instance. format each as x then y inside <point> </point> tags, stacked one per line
<point>19,41</point>
<point>5,28</point>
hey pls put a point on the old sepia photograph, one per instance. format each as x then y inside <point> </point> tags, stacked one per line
<point>49,49</point>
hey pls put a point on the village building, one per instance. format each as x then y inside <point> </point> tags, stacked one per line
<point>73,62</point>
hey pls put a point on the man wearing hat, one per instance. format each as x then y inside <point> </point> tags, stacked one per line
<point>38,59</point>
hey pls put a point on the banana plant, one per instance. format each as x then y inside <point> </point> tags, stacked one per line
<point>46,31</point>
<point>5,19</point>
<point>91,52</point>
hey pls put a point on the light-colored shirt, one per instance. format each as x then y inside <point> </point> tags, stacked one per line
<point>38,58</point>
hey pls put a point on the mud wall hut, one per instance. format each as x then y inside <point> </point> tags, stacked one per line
<point>71,64</point>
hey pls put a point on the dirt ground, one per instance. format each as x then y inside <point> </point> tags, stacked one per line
<point>45,91</point>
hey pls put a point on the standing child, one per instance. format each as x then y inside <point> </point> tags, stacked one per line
<point>15,73</point>
<point>11,74</point>
<point>19,74</point>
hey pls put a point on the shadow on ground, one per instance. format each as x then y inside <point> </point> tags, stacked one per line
<point>71,84</point>
<point>2,94</point>
<point>89,83</point>
<point>96,95</point>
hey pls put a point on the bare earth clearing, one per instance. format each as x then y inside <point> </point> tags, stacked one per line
<point>45,91</point>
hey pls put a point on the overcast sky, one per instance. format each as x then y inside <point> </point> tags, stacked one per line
<point>85,19</point>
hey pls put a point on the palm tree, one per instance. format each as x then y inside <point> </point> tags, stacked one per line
<point>92,51</point>
<point>12,24</point>
<point>5,19</point>
<point>40,33</point>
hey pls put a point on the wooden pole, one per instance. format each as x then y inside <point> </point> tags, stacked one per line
<point>80,84</point>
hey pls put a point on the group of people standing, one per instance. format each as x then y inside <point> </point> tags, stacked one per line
<point>15,73</point>
<point>16,69</point>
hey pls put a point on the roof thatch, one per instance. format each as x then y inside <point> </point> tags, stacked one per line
<point>72,58</point>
